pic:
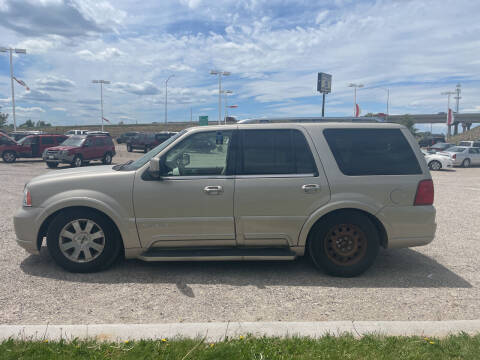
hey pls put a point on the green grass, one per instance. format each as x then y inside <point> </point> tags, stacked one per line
<point>328,347</point>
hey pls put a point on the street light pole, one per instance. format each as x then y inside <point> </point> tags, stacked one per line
<point>220,74</point>
<point>17,51</point>
<point>101,82</point>
<point>388,102</point>
<point>449,126</point>
<point>226,92</point>
<point>166,96</point>
<point>355,86</point>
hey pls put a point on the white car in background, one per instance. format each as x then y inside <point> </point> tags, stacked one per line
<point>437,161</point>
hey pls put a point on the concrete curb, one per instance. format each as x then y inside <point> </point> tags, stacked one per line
<point>218,331</point>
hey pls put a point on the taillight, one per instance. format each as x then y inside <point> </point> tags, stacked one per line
<point>425,193</point>
<point>27,198</point>
<point>454,156</point>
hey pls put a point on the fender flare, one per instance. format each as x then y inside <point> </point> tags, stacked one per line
<point>340,205</point>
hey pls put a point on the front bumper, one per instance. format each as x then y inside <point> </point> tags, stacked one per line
<point>58,158</point>
<point>27,225</point>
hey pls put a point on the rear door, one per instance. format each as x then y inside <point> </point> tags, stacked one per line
<point>279,183</point>
<point>89,149</point>
<point>474,155</point>
<point>45,143</point>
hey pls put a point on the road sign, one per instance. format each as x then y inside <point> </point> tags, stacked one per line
<point>324,83</point>
<point>203,120</point>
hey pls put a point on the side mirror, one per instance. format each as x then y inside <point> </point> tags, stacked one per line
<point>154,167</point>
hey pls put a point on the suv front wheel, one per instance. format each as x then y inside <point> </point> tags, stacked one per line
<point>77,161</point>
<point>345,243</point>
<point>107,159</point>
<point>83,241</point>
<point>9,156</point>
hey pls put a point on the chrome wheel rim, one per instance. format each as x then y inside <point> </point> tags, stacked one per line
<point>78,162</point>
<point>108,159</point>
<point>435,165</point>
<point>81,240</point>
<point>9,157</point>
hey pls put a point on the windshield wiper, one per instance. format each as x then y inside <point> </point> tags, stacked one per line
<point>121,166</point>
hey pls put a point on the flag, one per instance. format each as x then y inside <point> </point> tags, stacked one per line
<point>450,117</point>
<point>104,118</point>
<point>21,82</point>
<point>357,110</point>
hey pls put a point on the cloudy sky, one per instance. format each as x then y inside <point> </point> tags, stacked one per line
<point>273,48</point>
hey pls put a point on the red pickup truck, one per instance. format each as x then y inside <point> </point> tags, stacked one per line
<point>31,146</point>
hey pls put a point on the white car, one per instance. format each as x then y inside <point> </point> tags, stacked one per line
<point>437,161</point>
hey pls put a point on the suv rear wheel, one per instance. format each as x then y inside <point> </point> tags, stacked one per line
<point>466,163</point>
<point>107,159</point>
<point>435,165</point>
<point>9,156</point>
<point>83,241</point>
<point>77,161</point>
<point>345,243</point>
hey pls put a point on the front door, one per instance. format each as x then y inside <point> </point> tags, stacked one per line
<point>192,203</point>
<point>45,143</point>
<point>279,184</point>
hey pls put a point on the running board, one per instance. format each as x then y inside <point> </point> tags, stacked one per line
<point>217,254</point>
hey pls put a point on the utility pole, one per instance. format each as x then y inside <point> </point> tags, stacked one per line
<point>220,74</point>
<point>166,91</point>
<point>449,126</point>
<point>17,51</point>
<point>458,91</point>
<point>355,86</point>
<point>226,92</point>
<point>101,82</point>
<point>388,102</point>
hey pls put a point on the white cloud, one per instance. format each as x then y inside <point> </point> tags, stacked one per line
<point>321,16</point>
<point>145,88</point>
<point>29,110</point>
<point>54,83</point>
<point>59,109</point>
<point>181,67</point>
<point>103,55</point>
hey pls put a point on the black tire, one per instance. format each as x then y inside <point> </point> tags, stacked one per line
<point>354,233</point>
<point>147,148</point>
<point>77,161</point>
<point>466,163</point>
<point>9,156</point>
<point>111,250</point>
<point>52,165</point>
<point>107,159</point>
<point>129,148</point>
<point>435,165</point>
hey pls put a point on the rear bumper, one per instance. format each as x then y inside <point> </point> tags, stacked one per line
<point>409,226</point>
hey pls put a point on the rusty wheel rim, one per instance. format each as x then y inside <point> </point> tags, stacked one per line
<point>345,244</point>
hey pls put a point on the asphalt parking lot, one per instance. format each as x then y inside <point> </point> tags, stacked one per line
<point>440,281</point>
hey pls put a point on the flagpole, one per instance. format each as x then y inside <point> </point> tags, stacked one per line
<point>13,93</point>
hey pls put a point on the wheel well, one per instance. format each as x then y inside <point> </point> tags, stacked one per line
<point>46,223</point>
<point>377,223</point>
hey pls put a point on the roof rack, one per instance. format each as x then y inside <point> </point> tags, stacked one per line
<point>311,119</point>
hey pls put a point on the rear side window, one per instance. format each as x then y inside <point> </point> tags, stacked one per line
<point>372,152</point>
<point>99,141</point>
<point>267,152</point>
<point>47,140</point>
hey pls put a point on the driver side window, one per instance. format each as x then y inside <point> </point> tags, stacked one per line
<point>200,154</point>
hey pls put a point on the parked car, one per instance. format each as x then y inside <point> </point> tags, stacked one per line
<point>147,141</point>
<point>437,161</point>
<point>20,134</point>
<point>463,156</point>
<point>469,143</point>
<point>440,146</point>
<point>31,146</point>
<point>76,132</point>
<point>429,140</point>
<point>123,138</point>
<point>79,150</point>
<point>266,192</point>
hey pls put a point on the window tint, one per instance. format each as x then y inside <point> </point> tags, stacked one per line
<point>99,141</point>
<point>267,152</point>
<point>473,151</point>
<point>200,154</point>
<point>47,140</point>
<point>372,152</point>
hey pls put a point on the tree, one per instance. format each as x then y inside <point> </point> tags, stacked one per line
<point>3,119</point>
<point>28,124</point>
<point>409,123</point>
<point>42,123</point>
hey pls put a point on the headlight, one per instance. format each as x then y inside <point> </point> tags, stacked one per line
<point>27,198</point>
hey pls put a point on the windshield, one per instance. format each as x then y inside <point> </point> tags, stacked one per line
<point>464,143</point>
<point>146,158</point>
<point>456,149</point>
<point>74,141</point>
<point>441,146</point>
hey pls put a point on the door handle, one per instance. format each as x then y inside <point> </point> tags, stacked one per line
<point>213,190</point>
<point>309,188</point>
